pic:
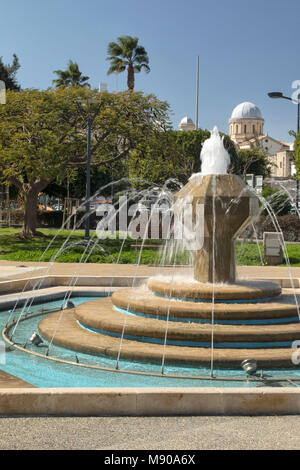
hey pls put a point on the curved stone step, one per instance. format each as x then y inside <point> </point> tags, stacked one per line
<point>191,289</point>
<point>72,336</point>
<point>143,301</point>
<point>100,315</point>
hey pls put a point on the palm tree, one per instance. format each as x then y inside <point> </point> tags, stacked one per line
<point>126,54</point>
<point>70,77</point>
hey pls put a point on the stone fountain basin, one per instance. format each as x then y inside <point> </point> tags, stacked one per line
<point>101,315</point>
<point>145,302</point>
<point>240,290</point>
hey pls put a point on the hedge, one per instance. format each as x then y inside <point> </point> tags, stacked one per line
<point>289,225</point>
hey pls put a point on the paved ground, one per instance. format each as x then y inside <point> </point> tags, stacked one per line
<point>154,433</point>
<point>10,381</point>
<point>13,270</point>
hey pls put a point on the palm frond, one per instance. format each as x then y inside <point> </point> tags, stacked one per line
<point>70,76</point>
<point>140,52</point>
<point>114,49</point>
<point>139,67</point>
<point>116,69</point>
<point>142,59</point>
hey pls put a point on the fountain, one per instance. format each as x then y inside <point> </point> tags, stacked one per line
<point>211,319</point>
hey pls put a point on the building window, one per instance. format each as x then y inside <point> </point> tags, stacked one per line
<point>236,129</point>
<point>253,129</point>
<point>245,129</point>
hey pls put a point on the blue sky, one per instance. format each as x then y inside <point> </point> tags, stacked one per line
<point>246,49</point>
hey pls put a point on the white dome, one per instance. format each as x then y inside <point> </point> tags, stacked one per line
<point>186,124</point>
<point>246,110</point>
<point>186,120</point>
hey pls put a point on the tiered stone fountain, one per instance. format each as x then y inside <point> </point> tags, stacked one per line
<point>249,319</point>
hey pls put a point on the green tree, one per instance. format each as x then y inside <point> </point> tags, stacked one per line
<point>70,77</point>
<point>34,139</point>
<point>74,183</point>
<point>172,154</point>
<point>253,161</point>
<point>43,135</point>
<point>278,200</point>
<point>8,73</point>
<point>126,54</point>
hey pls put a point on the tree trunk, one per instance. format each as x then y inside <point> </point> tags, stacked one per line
<point>31,193</point>
<point>130,77</point>
<point>30,213</point>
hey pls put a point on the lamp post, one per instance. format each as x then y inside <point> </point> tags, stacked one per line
<point>276,95</point>
<point>89,118</point>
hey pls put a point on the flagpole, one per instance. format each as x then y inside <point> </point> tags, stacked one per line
<point>197,94</point>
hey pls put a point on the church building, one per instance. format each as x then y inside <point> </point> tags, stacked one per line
<point>246,129</point>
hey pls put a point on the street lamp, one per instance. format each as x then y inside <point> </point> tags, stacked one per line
<point>276,95</point>
<point>89,117</point>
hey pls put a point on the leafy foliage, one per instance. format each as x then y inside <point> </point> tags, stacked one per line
<point>172,154</point>
<point>278,200</point>
<point>253,161</point>
<point>43,133</point>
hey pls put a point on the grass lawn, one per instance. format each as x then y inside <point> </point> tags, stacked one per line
<point>107,251</point>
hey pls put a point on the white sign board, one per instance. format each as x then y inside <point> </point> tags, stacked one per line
<point>273,242</point>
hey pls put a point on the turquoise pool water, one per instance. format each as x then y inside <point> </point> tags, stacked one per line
<point>43,372</point>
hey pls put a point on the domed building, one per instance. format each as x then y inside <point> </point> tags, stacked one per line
<point>246,129</point>
<point>246,122</point>
<point>186,124</point>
